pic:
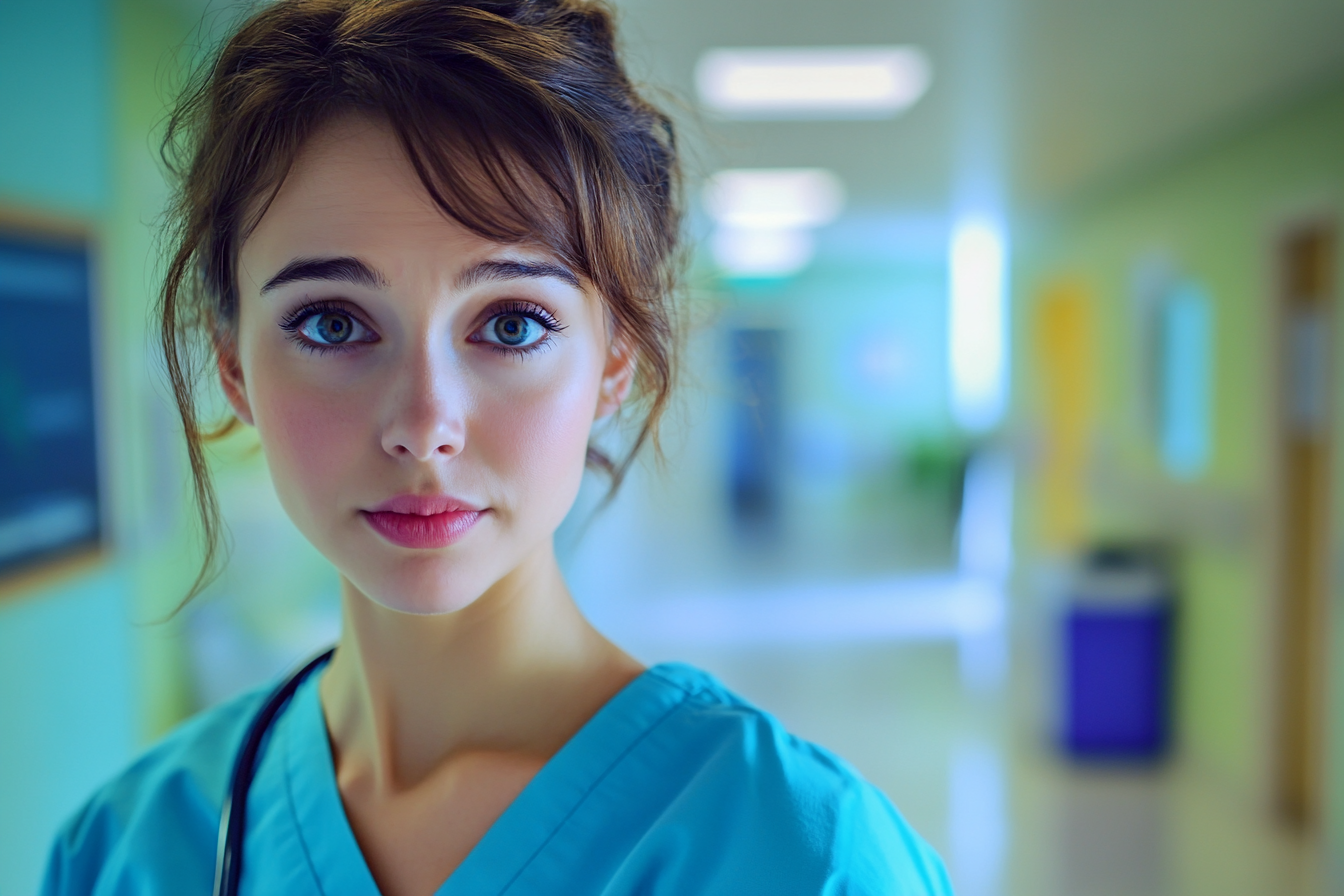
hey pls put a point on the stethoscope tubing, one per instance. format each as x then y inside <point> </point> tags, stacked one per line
<point>233,815</point>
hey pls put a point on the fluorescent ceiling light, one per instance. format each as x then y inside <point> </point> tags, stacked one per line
<point>812,82</point>
<point>761,253</point>
<point>978,323</point>
<point>774,198</point>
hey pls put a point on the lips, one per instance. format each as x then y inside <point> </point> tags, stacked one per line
<point>423,521</point>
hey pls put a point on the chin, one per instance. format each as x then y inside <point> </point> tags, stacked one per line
<point>429,587</point>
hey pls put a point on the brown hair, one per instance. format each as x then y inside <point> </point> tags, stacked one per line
<point>516,115</point>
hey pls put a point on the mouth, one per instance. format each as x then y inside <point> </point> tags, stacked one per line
<point>423,521</point>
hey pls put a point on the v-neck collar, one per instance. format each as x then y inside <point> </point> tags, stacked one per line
<point>521,832</point>
<point>310,774</point>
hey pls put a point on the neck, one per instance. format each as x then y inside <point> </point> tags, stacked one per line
<point>406,693</point>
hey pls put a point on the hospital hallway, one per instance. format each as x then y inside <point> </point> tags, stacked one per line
<point>1005,457</point>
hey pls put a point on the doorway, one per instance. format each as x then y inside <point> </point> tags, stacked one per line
<point>1307,265</point>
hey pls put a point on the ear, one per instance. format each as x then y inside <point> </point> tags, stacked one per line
<point>618,377</point>
<point>231,379</point>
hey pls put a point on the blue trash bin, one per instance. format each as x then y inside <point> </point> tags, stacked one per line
<point>1116,663</point>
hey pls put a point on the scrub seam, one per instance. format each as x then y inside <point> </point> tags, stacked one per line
<point>588,792</point>
<point>679,685</point>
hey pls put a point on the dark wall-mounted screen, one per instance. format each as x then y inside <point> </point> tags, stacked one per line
<point>49,503</point>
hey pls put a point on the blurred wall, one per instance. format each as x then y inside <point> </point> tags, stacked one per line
<point>55,105</point>
<point>79,89</point>
<point>1214,218</point>
<point>66,699</point>
<point>155,43</point>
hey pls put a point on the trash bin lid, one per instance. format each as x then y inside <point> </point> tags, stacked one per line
<point>1134,586</point>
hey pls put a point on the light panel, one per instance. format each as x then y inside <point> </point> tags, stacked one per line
<point>812,82</point>
<point>977,323</point>
<point>761,253</point>
<point>1186,405</point>
<point>774,198</point>
<point>764,217</point>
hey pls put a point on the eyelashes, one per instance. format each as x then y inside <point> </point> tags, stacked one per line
<point>527,309</point>
<point>325,327</point>
<point>517,328</point>
<point>514,328</point>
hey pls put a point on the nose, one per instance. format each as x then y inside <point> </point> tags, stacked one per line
<point>425,409</point>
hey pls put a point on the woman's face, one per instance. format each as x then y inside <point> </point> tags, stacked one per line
<point>424,396</point>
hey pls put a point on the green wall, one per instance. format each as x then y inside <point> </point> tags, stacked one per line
<point>1213,215</point>
<point>54,105</point>
<point>66,701</point>
<point>154,44</point>
<point>80,87</point>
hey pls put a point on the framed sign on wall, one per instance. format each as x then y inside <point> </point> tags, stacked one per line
<point>50,504</point>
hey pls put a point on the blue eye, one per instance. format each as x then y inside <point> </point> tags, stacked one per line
<point>333,328</point>
<point>325,327</point>
<point>518,328</point>
<point>513,330</point>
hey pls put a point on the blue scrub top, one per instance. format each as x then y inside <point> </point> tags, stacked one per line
<point>676,786</point>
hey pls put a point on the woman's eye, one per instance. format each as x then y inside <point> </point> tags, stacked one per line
<point>513,330</point>
<point>333,328</point>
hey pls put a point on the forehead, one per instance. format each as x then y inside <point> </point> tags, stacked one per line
<point>352,191</point>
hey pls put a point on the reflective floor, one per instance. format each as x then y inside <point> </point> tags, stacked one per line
<point>1009,816</point>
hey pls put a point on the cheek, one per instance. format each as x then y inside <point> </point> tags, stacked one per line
<point>311,437</point>
<point>538,437</point>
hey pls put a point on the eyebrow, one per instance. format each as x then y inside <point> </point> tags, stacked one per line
<point>487,271</point>
<point>345,268</point>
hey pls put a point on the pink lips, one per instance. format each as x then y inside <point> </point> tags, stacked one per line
<point>422,521</point>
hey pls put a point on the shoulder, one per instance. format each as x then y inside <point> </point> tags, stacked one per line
<point>801,800</point>
<point>170,796</point>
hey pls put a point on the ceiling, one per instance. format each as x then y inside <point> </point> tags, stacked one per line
<point>1048,97</point>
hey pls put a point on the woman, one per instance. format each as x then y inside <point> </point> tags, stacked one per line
<point>429,243</point>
